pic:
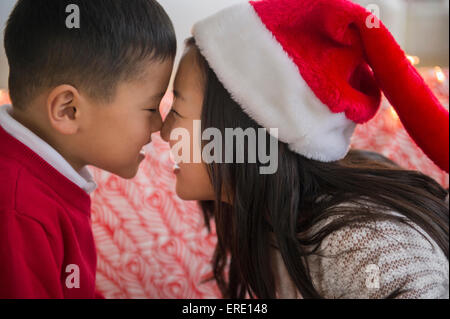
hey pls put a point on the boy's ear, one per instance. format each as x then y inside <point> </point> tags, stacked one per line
<point>63,109</point>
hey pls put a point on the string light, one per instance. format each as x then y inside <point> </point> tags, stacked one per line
<point>413,59</point>
<point>3,97</point>
<point>394,114</point>
<point>440,76</point>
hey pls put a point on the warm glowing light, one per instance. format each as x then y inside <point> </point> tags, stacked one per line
<point>394,114</point>
<point>3,97</point>
<point>413,59</point>
<point>440,76</point>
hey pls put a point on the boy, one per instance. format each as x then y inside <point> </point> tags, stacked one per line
<point>83,93</point>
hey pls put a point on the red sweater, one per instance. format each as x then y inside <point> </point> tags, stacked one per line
<point>47,248</point>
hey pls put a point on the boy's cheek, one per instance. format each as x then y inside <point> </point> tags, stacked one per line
<point>156,123</point>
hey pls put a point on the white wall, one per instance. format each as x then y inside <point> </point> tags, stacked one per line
<point>394,15</point>
<point>422,27</point>
<point>428,31</point>
<point>182,12</point>
<point>5,7</point>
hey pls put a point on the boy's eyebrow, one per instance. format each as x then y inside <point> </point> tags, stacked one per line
<point>155,97</point>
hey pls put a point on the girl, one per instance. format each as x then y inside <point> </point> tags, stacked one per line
<point>328,223</point>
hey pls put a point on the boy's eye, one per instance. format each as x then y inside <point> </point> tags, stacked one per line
<point>152,110</point>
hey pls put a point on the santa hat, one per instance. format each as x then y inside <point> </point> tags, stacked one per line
<point>315,69</point>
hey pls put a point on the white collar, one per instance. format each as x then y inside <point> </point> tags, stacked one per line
<point>82,179</point>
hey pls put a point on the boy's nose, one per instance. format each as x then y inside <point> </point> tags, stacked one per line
<point>156,124</point>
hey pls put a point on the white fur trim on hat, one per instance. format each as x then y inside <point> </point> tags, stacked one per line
<point>263,79</point>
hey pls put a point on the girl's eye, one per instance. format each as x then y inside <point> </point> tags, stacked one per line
<point>152,110</point>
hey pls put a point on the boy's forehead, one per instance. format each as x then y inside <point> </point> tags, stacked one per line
<point>155,73</point>
<point>158,96</point>
<point>157,67</point>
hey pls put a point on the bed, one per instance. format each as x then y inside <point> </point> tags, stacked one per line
<point>151,244</point>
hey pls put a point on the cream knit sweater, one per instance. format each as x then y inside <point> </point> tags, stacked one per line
<point>372,260</point>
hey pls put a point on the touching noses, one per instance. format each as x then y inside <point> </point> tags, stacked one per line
<point>156,123</point>
<point>166,129</point>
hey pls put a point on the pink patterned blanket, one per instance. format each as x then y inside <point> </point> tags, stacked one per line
<point>151,244</point>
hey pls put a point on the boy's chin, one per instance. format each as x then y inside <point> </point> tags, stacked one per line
<point>127,173</point>
<point>128,176</point>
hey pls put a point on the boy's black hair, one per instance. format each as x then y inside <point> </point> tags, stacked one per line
<point>113,39</point>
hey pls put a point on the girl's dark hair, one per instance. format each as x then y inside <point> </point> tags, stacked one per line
<point>284,204</point>
<point>113,40</point>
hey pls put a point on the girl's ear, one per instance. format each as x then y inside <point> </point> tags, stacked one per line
<point>63,109</point>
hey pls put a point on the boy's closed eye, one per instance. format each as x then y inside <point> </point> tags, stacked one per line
<point>155,101</point>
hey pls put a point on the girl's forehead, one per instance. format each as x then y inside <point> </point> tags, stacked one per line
<point>189,75</point>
